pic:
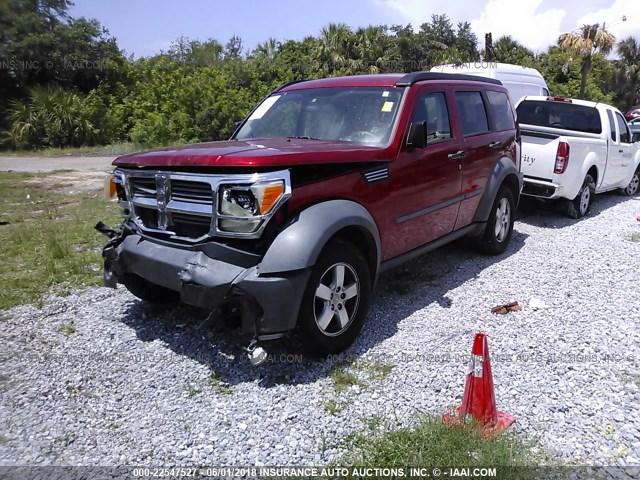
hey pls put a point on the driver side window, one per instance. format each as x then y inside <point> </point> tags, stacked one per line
<point>432,108</point>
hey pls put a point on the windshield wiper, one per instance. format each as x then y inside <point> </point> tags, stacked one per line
<point>304,137</point>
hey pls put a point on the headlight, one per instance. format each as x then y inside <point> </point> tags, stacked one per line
<point>241,208</point>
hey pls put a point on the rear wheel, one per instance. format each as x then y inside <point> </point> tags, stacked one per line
<point>336,301</point>
<point>499,229</point>
<point>147,291</point>
<point>579,206</point>
<point>634,185</point>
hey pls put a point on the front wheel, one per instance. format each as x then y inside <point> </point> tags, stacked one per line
<point>579,206</point>
<point>634,185</point>
<point>336,301</point>
<point>499,229</point>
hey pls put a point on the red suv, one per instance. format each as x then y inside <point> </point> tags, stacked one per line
<point>325,185</point>
<point>632,114</point>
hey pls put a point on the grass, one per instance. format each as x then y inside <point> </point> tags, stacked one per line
<point>343,379</point>
<point>218,385</point>
<point>634,237</point>
<point>68,329</point>
<point>431,443</point>
<point>377,369</point>
<point>332,407</point>
<point>48,241</point>
<point>97,151</point>
<point>192,390</point>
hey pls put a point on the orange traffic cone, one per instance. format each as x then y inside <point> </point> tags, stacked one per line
<point>478,401</point>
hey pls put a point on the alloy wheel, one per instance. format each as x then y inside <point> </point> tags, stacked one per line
<point>503,219</point>
<point>336,299</point>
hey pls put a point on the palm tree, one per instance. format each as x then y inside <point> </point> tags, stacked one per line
<point>583,43</point>
<point>625,79</point>
<point>508,50</point>
<point>372,47</point>
<point>335,46</point>
<point>268,49</point>
<point>629,51</point>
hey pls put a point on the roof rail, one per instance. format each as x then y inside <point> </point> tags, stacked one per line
<point>411,78</point>
<point>277,89</point>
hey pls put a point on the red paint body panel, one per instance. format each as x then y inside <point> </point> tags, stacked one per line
<point>352,187</point>
<point>423,197</point>
<point>422,179</point>
<point>268,152</point>
<point>476,168</point>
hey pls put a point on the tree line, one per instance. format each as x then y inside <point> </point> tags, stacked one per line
<point>65,82</point>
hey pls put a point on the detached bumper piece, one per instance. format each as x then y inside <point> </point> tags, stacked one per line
<point>271,301</point>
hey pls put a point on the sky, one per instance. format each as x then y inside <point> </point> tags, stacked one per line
<point>145,27</point>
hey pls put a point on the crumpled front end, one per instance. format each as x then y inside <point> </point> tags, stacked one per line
<point>207,278</point>
<point>176,235</point>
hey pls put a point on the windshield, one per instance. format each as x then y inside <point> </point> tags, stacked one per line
<point>568,116</point>
<point>356,114</point>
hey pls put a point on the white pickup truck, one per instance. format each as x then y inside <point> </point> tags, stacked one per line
<point>572,149</point>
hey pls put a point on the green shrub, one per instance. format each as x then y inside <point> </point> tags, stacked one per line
<point>52,117</point>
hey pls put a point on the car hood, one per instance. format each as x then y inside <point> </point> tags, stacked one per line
<point>273,152</point>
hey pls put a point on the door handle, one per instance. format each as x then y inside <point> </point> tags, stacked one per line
<point>620,151</point>
<point>495,145</point>
<point>457,155</point>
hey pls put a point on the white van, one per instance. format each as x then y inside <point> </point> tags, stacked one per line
<point>519,81</point>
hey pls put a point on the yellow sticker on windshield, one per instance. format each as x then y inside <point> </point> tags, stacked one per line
<point>387,106</point>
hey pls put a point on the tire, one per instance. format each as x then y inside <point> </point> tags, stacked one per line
<point>579,206</point>
<point>147,291</point>
<point>634,185</point>
<point>328,321</point>
<point>499,229</point>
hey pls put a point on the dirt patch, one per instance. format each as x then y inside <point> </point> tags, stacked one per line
<point>71,182</point>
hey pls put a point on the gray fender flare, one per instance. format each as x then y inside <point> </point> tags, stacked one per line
<point>503,168</point>
<point>299,244</point>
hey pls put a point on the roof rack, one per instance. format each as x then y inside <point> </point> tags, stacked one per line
<point>411,78</point>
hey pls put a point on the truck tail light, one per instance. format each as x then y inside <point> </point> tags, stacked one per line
<point>559,99</point>
<point>562,158</point>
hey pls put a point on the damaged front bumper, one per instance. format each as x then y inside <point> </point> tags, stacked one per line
<point>209,275</point>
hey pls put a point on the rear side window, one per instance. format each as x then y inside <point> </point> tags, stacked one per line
<point>473,115</point>
<point>612,125</point>
<point>563,115</point>
<point>625,136</point>
<point>501,110</point>
<point>432,108</point>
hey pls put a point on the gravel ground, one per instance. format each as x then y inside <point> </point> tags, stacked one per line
<point>97,378</point>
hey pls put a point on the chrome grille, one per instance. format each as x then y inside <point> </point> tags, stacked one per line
<point>145,187</point>
<point>196,192</point>
<point>183,205</point>
<point>172,205</point>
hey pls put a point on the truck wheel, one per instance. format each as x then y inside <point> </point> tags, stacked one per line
<point>634,185</point>
<point>336,301</point>
<point>499,229</point>
<point>579,206</point>
<point>147,291</point>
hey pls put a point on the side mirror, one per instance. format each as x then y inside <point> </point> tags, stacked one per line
<point>236,124</point>
<point>635,137</point>
<point>417,135</point>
